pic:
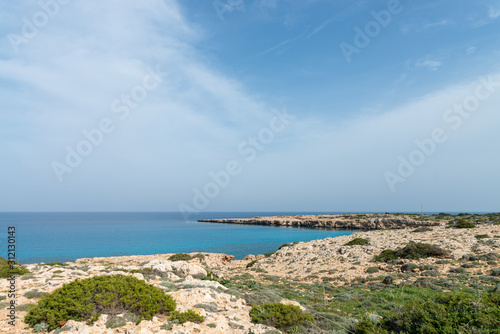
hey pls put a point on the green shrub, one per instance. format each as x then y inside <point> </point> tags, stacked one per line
<point>385,256</point>
<point>86,299</point>
<point>250,264</point>
<point>458,270</point>
<point>188,316</point>
<point>481,236</point>
<point>412,251</point>
<point>199,256</point>
<point>115,322</point>
<point>13,268</point>
<point>25,307</point>
<point>495,272</point>
<point>358,241</point>
<point>34,294</point>
<point>41,328</point>
<point>408,267</point>
<point>420,250</point>
<point>462,223</point>
<point>288,244</point>
<point>447,312</point>
<point>372,270</point>
<point>180,257</point>
<point>422,229</point>
<point>279,315</point>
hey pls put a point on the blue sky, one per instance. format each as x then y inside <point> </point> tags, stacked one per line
<point>239,105</point>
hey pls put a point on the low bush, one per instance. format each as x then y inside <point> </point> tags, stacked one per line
<point>288,244</point>
<point>115,322</point>
<point>372,270</point>
<point>34,294</point>
<point>447,312</point>
<point>358,241</point>
<point>420,251</point>
<point>199,256</point>
<point>86,299</point>
<point>283,317</point>
<point>385,256</point>
<point>408,267</point>
<point>481,236</point>
<point>462,223</point>
<point>250,264</point>
<point>180,257</point>
<point>9,268</point>
<point>422,229</point>
<point>412,251</point>
<point>188,316</point>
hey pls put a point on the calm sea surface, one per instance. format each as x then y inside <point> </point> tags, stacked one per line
<point>49,237</point>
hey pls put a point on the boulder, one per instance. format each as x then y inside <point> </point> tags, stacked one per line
<point>185,268</point>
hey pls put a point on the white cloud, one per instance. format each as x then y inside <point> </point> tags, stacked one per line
<point>471,50</point>
<point>430,64</point>
<point>494,12</point>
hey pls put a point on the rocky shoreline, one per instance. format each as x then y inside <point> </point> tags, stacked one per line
<point>341,221</point>
<point>220,288</point>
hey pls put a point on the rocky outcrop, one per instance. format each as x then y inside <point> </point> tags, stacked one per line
<point>345,222</point>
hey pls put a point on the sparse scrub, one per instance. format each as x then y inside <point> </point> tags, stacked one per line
<point>9,268</point>
<point>283,317</point>
<point>462,223</point>
<point>422,229</point>
<point>188,316</point>
<point>180,257</point>
<point>358,241</point>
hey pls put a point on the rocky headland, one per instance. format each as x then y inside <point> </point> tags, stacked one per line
<point>340,221</point>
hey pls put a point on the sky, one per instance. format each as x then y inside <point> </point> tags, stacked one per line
<point>250,105</point>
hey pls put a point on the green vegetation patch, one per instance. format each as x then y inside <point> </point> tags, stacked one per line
<point>412,251</point>
<point>180,257</point>
<point>86,299</point>
<point>422,229</point>
<point>358,241</point>
<point>450,312</point>
<point>9,268</point>
<point>188,316</point>
<point>34,294</point>
<point>283,317</point>
<point>462,223</point>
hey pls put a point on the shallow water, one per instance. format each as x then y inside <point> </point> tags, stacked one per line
<point>48,237</point>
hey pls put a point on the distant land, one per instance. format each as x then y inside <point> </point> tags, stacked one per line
<point>370,221</point>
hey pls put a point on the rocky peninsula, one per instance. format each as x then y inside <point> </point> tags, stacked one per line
<point>339,281</point>
<point>338,221</point>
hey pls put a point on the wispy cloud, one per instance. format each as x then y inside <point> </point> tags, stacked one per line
<point>424,25</point>
<point>494,12</point>
<point>280,45</point>
<point>431,64</point>
<point>471,50</point>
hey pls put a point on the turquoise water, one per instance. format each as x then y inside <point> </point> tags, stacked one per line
<point>49,237</point>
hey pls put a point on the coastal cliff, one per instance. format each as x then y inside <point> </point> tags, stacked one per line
<point>343,221</point>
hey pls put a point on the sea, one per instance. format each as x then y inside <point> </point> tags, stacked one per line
<point>67,236</point>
